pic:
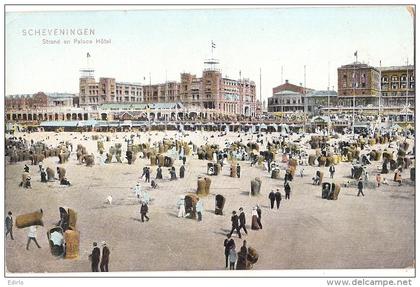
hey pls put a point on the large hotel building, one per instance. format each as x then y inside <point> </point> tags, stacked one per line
<point>211,91</point>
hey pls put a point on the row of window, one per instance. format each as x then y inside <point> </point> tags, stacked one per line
<point>395,78</point>
<point>396,86</point>
<point>284,101</point>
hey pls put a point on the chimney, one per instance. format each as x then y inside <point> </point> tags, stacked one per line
<point>287,81</point>
<point>300,84</point>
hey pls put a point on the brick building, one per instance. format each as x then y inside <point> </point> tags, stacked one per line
<point>107,90</point>
<point>358,82</point>
<point>27,101</point>
<point>214,92</point>
<point>211,91</point>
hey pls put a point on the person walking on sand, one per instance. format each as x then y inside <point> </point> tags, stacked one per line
<point>9,225</point>
<point>360,187</point>
<point>259,215</point>
<point>332,170</point>
<point>232,258</point>
<point>95,257</point>
<point>199,208</point>
<point>32,236</point>
<point>181,206</point>
<point>254,221</point>
<point>238,170</point>
<point>144,209</point>
<point>378,180</point>
<point>228,244</point>
<point>105,257</point>
<point>287,189</point>
<point>242,220</point>
<point>278,198</point>
<point>235,225</point>
<point>272,197</point>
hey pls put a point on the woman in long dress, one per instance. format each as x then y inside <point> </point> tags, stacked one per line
<point>255,225</point>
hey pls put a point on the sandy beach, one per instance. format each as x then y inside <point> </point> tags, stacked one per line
<point>307,232</point>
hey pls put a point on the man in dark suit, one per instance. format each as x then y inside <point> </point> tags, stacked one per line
<point>105,257</point>
<point>159,173</point>
<point>9,225</point>
<point>182,171</point>
<point>278,198</point>
<point>235,225</point>
<point>147,174</point>
<point>95,257</point>
<point>287,189</point>
<point>272,197</point>
<point>242,220</point>
<point>259,216</point>
<point>360,187</point>
<point>238,170</point>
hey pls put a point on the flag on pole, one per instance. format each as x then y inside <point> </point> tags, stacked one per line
<point>213,45</point>
<point>88,55</point>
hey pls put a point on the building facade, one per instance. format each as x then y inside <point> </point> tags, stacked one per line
<point>220,94</point>
<point>366,88</point>
<point>319,102</point>
<point>27,101</point>
<point>397,86</point>
<point>211,91</point>
<point>358,84</point>
<point>286,102</point>
<point>288,98</point>
<point>107,90</point>
<point>62,100</point>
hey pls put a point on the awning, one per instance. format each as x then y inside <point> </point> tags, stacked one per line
<point>58,124</point>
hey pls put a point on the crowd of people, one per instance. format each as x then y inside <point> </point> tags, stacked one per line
<point>238,220</point>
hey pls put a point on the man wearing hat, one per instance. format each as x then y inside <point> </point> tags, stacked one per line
<point>9,225</point>
<point>242,220</point>
<point>235,225</point>
<point>105,257</point>
<point>272,197</point>
<point>360,187</point>
<point>137,190</point>
<point>95,257</point>
<point>278,198</point>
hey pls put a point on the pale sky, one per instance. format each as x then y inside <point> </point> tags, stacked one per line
<point>168,42</point>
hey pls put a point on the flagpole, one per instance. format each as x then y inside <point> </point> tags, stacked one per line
<point>354,91</point>
<point>406,96</point>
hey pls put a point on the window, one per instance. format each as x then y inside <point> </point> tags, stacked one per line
<point>394,78</point>
<point>385,79</point>
<point>363,85</point>
<point>403,78</point>
<point>394,86</point>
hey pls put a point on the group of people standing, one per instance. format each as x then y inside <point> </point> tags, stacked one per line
<point>235,260</point>
<point>95,257</point>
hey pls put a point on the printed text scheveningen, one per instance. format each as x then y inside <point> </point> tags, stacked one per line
<point>58,32</point>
